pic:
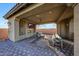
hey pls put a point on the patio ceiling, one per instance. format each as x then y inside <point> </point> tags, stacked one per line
<point>47,13</point>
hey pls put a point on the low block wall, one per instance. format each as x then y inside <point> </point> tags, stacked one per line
<point>3,34</point>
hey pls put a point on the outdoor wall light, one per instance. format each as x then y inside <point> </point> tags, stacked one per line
<point>67,24</point>
<point>9,23</point>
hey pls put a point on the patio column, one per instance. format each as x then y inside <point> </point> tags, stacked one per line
<point>14,30</point>
<point>58,28</point>
<point>61,29</point>
<point>76,30</point>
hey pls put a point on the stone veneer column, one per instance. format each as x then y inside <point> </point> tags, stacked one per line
<point>76,30</point>
<point>14,30</point>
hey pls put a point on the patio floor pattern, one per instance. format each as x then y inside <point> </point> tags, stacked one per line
<point>23,48</point>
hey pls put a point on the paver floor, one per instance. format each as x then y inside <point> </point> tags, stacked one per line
<point>23,48</point>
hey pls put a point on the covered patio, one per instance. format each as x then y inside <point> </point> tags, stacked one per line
<point>23,18</point>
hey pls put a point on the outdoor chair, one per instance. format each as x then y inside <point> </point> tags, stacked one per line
<point>37,36</point>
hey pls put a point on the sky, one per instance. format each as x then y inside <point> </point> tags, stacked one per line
<point>5,7</point>
<point>47,26</point>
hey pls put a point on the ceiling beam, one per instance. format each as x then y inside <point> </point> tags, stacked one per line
<point>29,21</point>
<point>45,22</point>
<point>29,9</point>
<point>60,14</point>
<point>66,14</point>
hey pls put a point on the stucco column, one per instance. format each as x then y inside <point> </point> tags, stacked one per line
<point>61,29</point>
<point>76,30</point>
<point>58,28</point>
<point>14,30</point>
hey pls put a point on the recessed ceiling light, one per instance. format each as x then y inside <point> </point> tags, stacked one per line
<point>37,15</point>
<point>50,12</point>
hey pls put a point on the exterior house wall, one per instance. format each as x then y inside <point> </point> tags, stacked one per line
<point>61,29</point>
<point>58,28</point>
<point>76,30</point>
<point>28,32</point>
<point>16,29</point>
<point>71,29</point>
<point>13,30</point>
<point>14,33</point>
<point>22,29</point>
<point>64,31</point>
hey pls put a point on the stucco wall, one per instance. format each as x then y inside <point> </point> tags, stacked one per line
<point>61,29</point>
<point>58,28</point>
<point>26,30</point>
<point>76,30</point>
<point>13,30</point>
<point>71,29</point>
<point>27,34</point>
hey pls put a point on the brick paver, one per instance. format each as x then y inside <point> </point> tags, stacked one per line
<point>23,48</point>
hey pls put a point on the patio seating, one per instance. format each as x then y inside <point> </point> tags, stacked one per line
<point>64,46</point>
<point>36,37</point>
